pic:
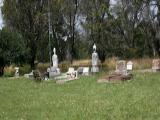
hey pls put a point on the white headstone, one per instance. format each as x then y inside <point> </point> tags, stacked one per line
<point>130,65</point>
<point>16,71</point>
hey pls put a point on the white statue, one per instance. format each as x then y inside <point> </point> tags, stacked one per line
<point>95,59</point>
<point>94,48</point>
<point>55,59</point>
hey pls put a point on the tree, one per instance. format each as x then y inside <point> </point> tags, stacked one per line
<point>29,18</point>
<point>12,48</point>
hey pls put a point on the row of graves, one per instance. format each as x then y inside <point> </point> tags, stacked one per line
<point>123,71</point>
<point>54,72</point>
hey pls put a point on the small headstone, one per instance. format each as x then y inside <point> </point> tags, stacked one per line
<point>86,71</point>
<point>16,71</point>
<point>72,73</point>
<point>130,66</point>
<point>156,65</point>
<point>30,75</point>
<point>95,59</point>
<point>80,70</point>
<point>121,67</point>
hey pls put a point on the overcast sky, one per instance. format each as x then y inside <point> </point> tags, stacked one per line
<point>0,15</point>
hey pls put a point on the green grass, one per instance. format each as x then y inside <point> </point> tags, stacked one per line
<point>84,99</point>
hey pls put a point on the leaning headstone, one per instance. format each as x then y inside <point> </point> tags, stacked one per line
<point>156,65</point>
<point>95,59</point>
<point>130,66</point>
<point>16,71</point>
<point>121,67</point>
<point>54,70</point>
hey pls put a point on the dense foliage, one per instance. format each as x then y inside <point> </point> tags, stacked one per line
<point>12,48</point>
<point>126,29</point>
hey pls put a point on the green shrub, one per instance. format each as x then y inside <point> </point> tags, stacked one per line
<point>42,67</point>
<point>64,66</point>
<point>9,71</point>
<point>24,69</point>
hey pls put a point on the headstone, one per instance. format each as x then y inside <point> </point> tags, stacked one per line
<point>54,70</point>
<point>86,71</point>
<point>16,71</point>
<point>72,73</point>
<point>80,70</point>
<point>95,59</point>
<point>121,67</point>
<point>130,66</point>
<point>30,75</point>
<point>156,65</point>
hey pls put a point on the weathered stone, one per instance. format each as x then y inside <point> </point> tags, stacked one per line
<point>156,65</point>
<point>121,67</point>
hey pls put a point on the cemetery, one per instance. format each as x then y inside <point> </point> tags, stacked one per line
<point>79,60</point>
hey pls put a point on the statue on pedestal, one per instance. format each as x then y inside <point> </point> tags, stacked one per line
<point>95,59</point>
<point>54,70</point>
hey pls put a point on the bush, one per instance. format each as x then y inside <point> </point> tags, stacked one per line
<point>64,66</point>
<point>42,67</point>
<point>24,69</point>
<point>9,71</point>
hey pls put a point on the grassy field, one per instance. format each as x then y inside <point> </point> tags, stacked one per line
<point>84,99</point>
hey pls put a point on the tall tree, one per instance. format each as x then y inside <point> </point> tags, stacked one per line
<point>12,48</point>
<point>29,18</point>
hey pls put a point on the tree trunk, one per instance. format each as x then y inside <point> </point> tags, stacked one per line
<point>33,56</point>
<point>2,64</point>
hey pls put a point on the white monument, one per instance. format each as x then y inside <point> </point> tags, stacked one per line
<point>95,60</point>
<point>130,66</point>
<point>54,70</point>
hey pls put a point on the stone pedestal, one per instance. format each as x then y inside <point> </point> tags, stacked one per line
<point>54,72</point>
<point>94,69</point>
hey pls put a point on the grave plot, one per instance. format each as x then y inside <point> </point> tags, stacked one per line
<point>120,74</point>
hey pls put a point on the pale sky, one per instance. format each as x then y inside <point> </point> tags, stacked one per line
<point>1,22</point>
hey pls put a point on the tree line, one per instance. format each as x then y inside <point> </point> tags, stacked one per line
<point>126,29</point>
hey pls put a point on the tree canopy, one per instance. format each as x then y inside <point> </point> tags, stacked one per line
<point>127,29</point>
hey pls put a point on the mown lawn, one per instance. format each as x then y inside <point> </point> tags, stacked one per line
<point>84,99</point>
